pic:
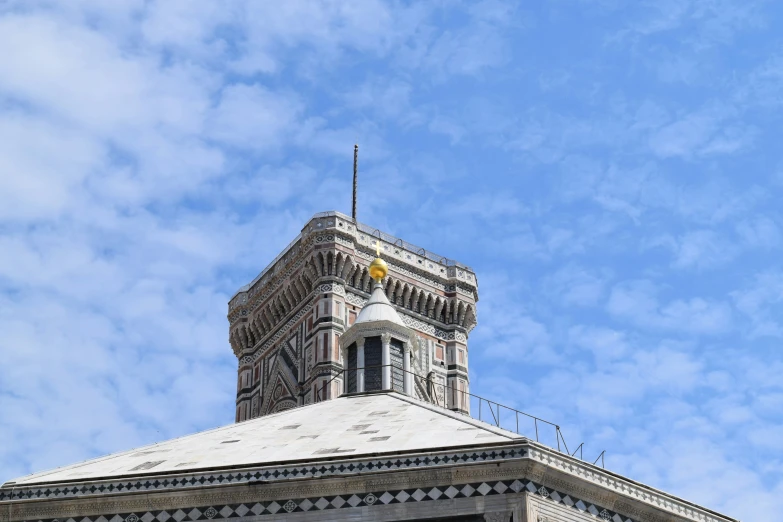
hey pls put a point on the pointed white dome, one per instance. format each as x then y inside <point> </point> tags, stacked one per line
<point>378,308</point>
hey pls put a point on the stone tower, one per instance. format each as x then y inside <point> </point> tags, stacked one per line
<point>285,327</point>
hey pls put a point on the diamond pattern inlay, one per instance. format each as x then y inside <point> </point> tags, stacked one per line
<point>279,473</point>
<point>367,499</point>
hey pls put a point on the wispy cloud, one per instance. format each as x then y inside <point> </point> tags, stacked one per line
<point>638,303</point>
<point>611,170</point>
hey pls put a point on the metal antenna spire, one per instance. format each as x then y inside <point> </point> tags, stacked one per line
<point>355,175</point>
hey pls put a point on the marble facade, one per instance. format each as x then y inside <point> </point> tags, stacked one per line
<point>285,326</point>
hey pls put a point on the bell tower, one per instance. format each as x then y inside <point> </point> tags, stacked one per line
<point>298,327</point>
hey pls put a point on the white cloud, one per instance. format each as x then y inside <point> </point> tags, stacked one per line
<point>638,303</point>
<point>761,232</point>
<point>488,206</point>
<point>252,117</point>
<point>576,286</point>
<point>506,328</point>
<point>760,303</point>
<point>702,249</point>
<point>467,52</point>
<point>708,131</point>
<point>189,27</point>
<point>761,87</point>
<point>37,182</point>
<point>81,76</point>
<point>322,29</point>
<point>385,99</point>
<point>606,345</point>
<point>520,338</point>
<point>447,127</point>
<point>155,155</point>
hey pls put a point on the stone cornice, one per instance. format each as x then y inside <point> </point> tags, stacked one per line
<point>537,471</point>
<point>283,473</point>
<point>571,476</point>
<point>443,283</point>
<point>605,480</point>
<point>247,300</point>
<point>375,329</point>
<point>341,230</point>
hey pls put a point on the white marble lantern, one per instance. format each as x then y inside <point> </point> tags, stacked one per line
<point>377,348</point>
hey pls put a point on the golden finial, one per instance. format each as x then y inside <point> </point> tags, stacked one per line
<point>378,268</point>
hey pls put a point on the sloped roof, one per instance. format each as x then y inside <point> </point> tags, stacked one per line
<point>378,308</point>
<point>348,436</point>
<point>345,427</point>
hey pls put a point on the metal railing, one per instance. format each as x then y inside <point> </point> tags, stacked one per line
<point>477,407</point>
<point>361,227</point>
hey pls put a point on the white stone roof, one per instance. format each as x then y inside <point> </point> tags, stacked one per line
<point>344,427</point>
<point>378,308</point>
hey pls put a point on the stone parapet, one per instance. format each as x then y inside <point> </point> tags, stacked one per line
<point>452,275</point>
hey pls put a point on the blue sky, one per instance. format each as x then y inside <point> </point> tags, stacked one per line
<point>611,170</point>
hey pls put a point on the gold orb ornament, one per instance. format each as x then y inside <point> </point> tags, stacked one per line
<point>378,268</point>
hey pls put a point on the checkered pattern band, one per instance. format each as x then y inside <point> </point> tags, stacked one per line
<point>336,468</point>
<point>298,505</point>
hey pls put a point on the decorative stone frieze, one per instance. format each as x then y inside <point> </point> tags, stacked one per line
<point>422,326</point>
<point>405,262</point>
<point>277,335</point>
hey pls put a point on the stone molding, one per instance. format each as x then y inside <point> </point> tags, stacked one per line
<point>541,472</point>
<point>269,281</point>
<point>335,288</point>
<point>244,302</point>
<point>426,327</point>
<point>338,468</point>
<point>460,288</point>
<point>322,285</point>
<point>355,300</point>
<point>303,499</point>
<point>410,272</point>
<point>291,258</point>
<point>297,260</point>
<point>607,481</point>
<point>375,329</point>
